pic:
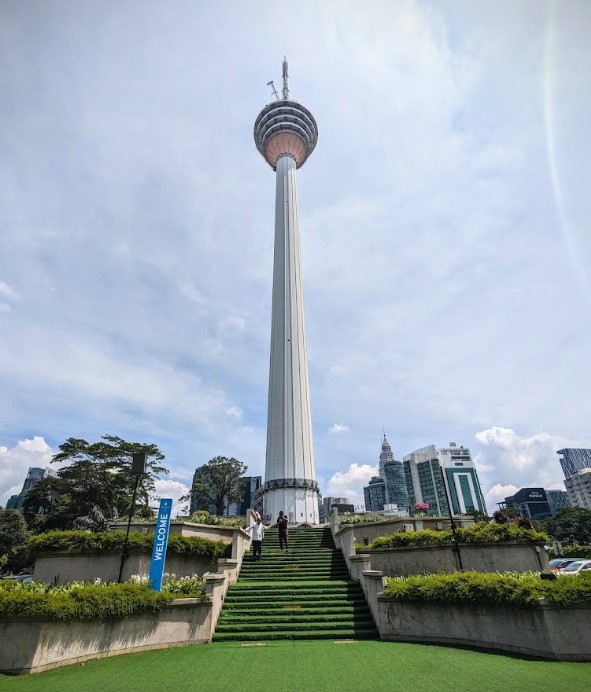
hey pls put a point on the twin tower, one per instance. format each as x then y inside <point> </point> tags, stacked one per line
<point>286,133</point>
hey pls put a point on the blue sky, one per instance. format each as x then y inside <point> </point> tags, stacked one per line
<point>444,218</point>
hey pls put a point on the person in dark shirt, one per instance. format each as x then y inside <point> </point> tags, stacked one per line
<point>282,530</point>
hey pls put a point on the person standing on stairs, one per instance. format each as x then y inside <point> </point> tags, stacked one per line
<point>258,532</point>
<point>282,530</point>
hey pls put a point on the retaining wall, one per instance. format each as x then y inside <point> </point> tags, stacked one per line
<point>32,645</point>
<point>544,631</point>
<point>61,568</point>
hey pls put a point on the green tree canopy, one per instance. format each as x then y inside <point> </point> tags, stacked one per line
<point>218,483</point>
<point>97,476</point>
<point>13,536</point>
<point>570,525</point>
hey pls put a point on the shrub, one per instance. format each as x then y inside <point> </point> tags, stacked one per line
<point>508,589</point>
<point>203,517</point>
<point>86,542</point>
<point>88,601</point>
<point>481,532</point>
<point>361,519</point>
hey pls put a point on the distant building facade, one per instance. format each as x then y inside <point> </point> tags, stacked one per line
<point>426,483</point>
<point>529,502</point>
<point>374,494</point>
<point>558,499</point>
<point>578,487</point>
<point>576,466</point>
<point>392,473</point>
<point>573,460</point>
<point>327,503</point>
<point>34,475</point>
<point>250,497</point>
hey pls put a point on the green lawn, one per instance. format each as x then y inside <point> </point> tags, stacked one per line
<point>348,666</point>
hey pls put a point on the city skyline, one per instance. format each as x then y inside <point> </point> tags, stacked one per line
<point>445,251</point>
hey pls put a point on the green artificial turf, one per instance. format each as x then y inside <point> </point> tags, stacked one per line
<point>301,666</point>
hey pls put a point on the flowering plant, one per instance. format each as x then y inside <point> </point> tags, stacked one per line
<point>421,506</point>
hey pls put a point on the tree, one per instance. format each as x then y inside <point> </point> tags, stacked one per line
<point>97,478</point>
<point>13,536</point>
<point>48,505</point>
<point>218,483</point>
<point>570,525</point>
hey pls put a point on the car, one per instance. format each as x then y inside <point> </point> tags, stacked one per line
<point>555,563</point>
<point>576,567</point>
<point>23,578</point>
<point>559,564</point>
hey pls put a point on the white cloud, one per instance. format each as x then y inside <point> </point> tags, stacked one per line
<point>173,490</point>
<point>338,428</point>
<point>15,463</point>
<point>350,483</point>
<point>7,291</point>
<point>142,261</point>
<point>507,461</point>
<point>497,494</point>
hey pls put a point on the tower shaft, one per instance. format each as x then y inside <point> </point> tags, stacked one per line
<point>285,133</point>
<point>289,470</point>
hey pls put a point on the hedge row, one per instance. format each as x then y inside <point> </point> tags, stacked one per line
<point>481,532</point>
<point>86,542</point>
<point>509,589</point>
<point>204,517</point>
<point>82,601</point>
<point>361,519</point>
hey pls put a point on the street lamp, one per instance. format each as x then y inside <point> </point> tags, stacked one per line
<point>451,519</point>
<point>138,469</point>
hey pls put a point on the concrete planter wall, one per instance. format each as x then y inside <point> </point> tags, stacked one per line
<point>545,631</point>
<point>183,528</point>
<point>397,562</point>
<point>35,645</point>
<point>31,645</point>
<point>481,557</point>
<point>61,568</point>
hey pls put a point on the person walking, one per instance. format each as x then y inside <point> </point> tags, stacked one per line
<point>282,524</point>
<point>258,533</point>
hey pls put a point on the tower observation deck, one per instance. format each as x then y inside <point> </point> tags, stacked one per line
<point>286,133</point>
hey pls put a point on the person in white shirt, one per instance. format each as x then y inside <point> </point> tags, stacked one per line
<point>258,532</point>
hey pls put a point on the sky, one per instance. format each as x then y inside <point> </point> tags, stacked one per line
<point>444,218</point>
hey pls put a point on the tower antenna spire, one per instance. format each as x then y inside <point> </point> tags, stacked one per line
<point>285,90</point>
<point>275,94</point>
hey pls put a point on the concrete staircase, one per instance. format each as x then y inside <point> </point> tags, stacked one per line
<point>302,593</point>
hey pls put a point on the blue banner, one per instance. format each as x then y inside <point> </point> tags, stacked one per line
<point>160,543</point>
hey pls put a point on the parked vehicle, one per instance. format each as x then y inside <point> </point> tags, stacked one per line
<point>576,567</point>
<point>23,578</point>
<point>558,564</point>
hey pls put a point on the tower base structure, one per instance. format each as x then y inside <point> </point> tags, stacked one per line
<point>297,498</point>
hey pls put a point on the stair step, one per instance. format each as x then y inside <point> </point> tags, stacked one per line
<point>265,627</point>
<point>310,614</point>
<point>302,593</point>
<point>291,634</point>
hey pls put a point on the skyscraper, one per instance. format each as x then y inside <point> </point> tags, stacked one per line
<point>34,475</point>
<point>573,460</point>
<point>576,465</point>
<point>422,469</point>
<point>392,471</point>
<point>374,494</point>
<point>423,480</point>
<point>285,133</point>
